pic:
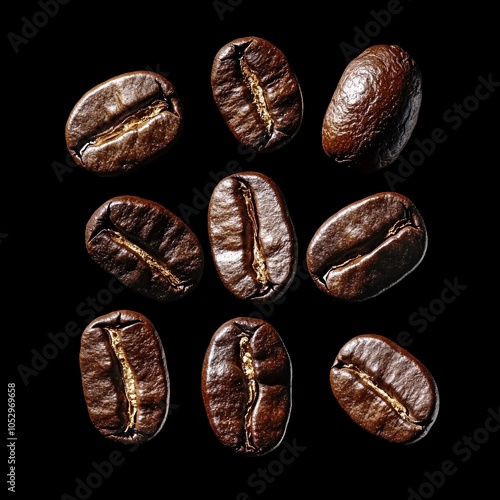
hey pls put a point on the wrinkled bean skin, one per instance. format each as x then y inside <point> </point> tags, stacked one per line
<point>373,110</point>
<point>125,378</point>
<point>252,237</point>
<point>124,123</point>
<point>367,247</point>
<point>385,389</point>
<point>146,247</point>
<point>257,93</point>
<point>246,386</point>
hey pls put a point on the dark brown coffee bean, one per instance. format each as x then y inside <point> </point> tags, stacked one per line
<point>123,123</point>
<point>374,109</point>
<point>367,247</point>
<point>385,389</point>
<point>124,376</point>
<point>252,237</point>
<point>257,93</point>
<point>147,247</point>
<point>246,386</point>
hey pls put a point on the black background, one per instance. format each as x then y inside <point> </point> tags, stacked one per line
<point>49,281</point>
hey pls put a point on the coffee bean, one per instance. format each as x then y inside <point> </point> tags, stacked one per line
<point>124,376</point>
<point>252,237</point>
<point>123,123</point>
<point>246,386</point>
<point>374,109</point>
<point>257,93</point>
<point>146,247</point>
<point>385,389</point>
<point>367,247</point>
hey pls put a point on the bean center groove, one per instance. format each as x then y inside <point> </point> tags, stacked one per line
<point>132,119</point>
<point>368,381</point>
<point>259,259</point>
<point>247,366</point>
<point>128,376</point>
<point>149,259</point>
<point>258,96</point>
<point>145,254</point>
<point>368,246</point>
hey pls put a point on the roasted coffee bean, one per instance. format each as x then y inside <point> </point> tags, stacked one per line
<point>124,376</point>
<point>146,247</point>
<point>374,109</point>
<point>123,123</point>
<point>252,237</point>
<point>385,389</point>
<point>246,386</point>
<point>257,93</point>
<point>367,247</point>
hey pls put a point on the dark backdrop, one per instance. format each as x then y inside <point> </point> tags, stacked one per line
<point>55,52</point>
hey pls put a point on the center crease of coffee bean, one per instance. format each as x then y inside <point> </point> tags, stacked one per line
<point>259,99</point>
<point>259,260</point>
<point>370,383</point>
<point>149,259</point>
<point>246,360</point>
<point>134,120</point>
<point>128,376</point>
<point>369,245</point>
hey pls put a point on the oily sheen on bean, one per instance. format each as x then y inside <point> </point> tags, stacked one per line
<point>252,237</point>
<point>125,378</point>
<point>246,386</point>
<point>373,110</point>
<point>367,247</point>
<point>385,389</point>
<point>146,247</point>
<point>257,93</point>
<point>124,123</point>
